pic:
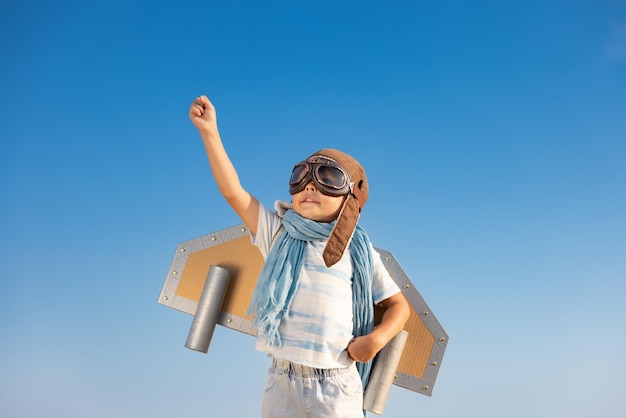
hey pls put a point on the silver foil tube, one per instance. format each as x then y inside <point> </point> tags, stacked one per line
<point>383,374</point>
<point>208,310</point>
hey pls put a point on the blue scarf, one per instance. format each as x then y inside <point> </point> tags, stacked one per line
<point>279,279</point>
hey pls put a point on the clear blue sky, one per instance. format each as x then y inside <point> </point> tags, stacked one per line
<point>493,134</point>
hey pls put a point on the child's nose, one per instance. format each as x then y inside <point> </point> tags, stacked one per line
<point>310,186</point>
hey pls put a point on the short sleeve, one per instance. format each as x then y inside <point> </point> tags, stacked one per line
<point>383,285</point>
<point>267,227</point>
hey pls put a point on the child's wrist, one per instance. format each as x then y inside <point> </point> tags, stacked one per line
<point>209,132</point>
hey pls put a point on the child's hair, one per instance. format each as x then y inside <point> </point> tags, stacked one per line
<point>352,205</point>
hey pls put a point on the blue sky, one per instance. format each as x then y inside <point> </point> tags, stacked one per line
<point>494,139</point>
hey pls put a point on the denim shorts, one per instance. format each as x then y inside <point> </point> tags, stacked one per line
<point>295,391</point>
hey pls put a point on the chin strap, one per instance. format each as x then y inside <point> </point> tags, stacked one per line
<point>342,232</point>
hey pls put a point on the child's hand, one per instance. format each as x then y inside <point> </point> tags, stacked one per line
<point>202,114</point>
<point>396,314</point>
<point>363,349</point>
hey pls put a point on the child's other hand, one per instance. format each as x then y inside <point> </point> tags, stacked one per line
<point>202,114</point>
<point>363,349</point>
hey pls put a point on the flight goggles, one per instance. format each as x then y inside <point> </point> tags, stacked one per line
<point>328,176</point>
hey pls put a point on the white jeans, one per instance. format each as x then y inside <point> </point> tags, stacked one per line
<point>295,391</point>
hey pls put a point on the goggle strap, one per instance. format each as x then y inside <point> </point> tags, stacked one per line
<point>358,193</point>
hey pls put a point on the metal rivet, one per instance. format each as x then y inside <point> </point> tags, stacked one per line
<point>425,387</point>
<point>182,250</point>
<point>425,313</point>
<point>388,258</point>
<point>229,320</point>
<point>166,298</point>
<point>406,286</point>
<point>213,238</point>
<point>243,229</point>
<point>442,339</point>
<point>395,376</point>
<point>174,273</point>
<point>434,363</point>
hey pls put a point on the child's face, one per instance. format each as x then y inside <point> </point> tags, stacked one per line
<point>310,203</point>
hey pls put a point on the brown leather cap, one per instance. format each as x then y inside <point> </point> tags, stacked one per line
<point>349,215</point>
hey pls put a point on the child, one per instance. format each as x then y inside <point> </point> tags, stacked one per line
<point>314,301</point>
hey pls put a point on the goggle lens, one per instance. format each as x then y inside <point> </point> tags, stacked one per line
<point>330,176</point>
<point>298,174</point>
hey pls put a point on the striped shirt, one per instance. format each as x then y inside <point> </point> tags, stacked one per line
<point>318,327</point>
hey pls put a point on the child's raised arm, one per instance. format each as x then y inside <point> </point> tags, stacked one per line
<point>202,114</point>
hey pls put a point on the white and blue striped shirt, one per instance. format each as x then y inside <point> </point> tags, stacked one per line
<point>318,327</point>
